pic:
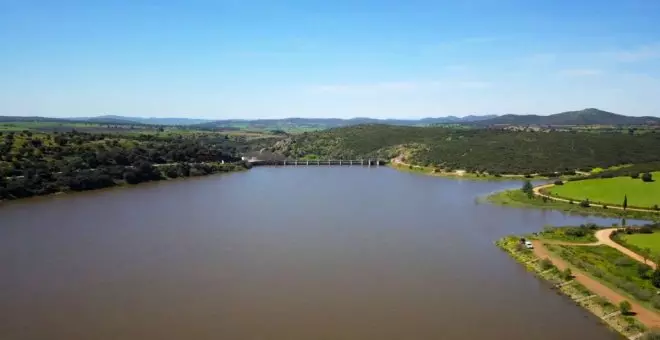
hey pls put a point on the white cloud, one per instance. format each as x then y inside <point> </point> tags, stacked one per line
<point>646,52</point>
<point>580,72</point>
<point>474,84</point>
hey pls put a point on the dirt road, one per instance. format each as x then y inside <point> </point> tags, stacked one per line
<point>645,316</point>
<point>603,237</point>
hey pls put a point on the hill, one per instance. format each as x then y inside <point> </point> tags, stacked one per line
<point>143,120</point>
<point>311,124</point>
<point>589,116</point>
<point>482,150</point>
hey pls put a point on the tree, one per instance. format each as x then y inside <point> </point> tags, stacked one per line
<point>625,307</point>
<point>567,274</point>
<point>528,188</point>
<point>647,177</point>
<point>625,202</point>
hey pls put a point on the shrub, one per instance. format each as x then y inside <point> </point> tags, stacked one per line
<point>647,177</point>
<point>624,261</point>
<point>566,274</point>
<point>645,230</point>
<point>643,270</point>
<point>546,264</point>
<point>585,204</point>
<point>655,302</point>
<point>643,294</point>
<point>625,307</point>
<point>655,278</point>
<point>559,182</point>
<point>655,207</point>
<point>652,335</point>
<point>635,175</point>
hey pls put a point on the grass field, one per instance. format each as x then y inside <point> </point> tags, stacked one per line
<point>612,191</point>
<point>642,241</point>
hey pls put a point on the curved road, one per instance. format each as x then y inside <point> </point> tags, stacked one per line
<point>649,318</point>
<point>537,192</point>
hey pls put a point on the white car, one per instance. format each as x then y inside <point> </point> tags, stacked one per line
<point>529,245</point>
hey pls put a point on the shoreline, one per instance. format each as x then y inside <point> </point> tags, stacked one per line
<point>517,199</point>
<point>430,171</point>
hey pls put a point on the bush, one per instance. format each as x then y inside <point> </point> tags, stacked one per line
<point>643,270</point>
<point>585,204</point>
<point>566,274</point>
<point>559,182</point>
<point>652,335</point>
<point>647,177</point>
<point>655,207</point>
<point>645,230</point>
<point>635,175</point>
<point>546,264</point>
<point>643,294</point>
<point>655,302</point>
<point>624,261</point>
<point>625,307</point>
<point>655,278</point>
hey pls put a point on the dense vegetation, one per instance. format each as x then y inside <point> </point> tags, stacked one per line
<point>477,150</point>
<point>43,163</point>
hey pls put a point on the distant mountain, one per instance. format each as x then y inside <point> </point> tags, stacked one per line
<point>141,120</point>
<point>589,116</point>
<point>326,123</point>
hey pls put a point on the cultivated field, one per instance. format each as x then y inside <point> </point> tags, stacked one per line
<point>612,191</point>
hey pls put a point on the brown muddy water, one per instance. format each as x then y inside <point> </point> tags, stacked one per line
<point>278,253</point>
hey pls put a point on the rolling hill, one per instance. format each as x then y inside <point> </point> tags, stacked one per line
<point>588,116</point>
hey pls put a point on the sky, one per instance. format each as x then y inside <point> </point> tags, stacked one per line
<point>252,59</point>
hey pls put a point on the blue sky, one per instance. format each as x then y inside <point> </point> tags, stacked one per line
<point>269,59</point>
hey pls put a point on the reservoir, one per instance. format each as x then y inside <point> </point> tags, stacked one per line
<point>295,253</point>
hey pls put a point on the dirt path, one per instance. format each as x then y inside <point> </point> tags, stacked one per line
<point>645,316</point>
<point>603,237</point>
<point>537,192</point>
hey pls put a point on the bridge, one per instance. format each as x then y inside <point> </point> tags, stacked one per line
<point>317,162</point>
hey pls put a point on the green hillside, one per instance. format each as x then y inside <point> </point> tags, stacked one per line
<point>484,150</point>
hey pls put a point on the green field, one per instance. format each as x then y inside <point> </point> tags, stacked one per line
<point>643,241</point>
<point>612,191</point>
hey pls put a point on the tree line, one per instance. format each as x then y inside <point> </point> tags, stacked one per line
<point>33,164</point>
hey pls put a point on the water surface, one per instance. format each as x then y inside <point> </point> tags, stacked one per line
<point>278,253</point>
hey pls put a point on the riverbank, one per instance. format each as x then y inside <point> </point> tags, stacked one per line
<point>586,292</point>
<point>457,174</point>
<point>518,199</point>
<point>159,172</point>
